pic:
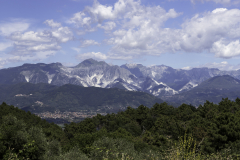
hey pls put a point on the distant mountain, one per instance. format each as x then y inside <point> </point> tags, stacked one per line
<point>178,79</point>
<point>213,90</point>
<point>42,97</point>
<point>158,80</point>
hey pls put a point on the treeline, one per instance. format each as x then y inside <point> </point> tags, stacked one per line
<point>135,133</point>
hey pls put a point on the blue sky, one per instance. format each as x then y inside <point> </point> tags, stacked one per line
<point>177,33</point>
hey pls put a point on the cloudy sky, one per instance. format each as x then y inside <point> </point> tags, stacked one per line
<point>177,33</point>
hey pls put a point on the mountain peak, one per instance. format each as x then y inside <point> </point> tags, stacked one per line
<point>90,62</point>
<point>224,81</point>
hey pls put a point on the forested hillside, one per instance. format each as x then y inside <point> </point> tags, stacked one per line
<point>141,133</point>
<point>72,98</point>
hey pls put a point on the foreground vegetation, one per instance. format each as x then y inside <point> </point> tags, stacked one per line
<point>211,131</point>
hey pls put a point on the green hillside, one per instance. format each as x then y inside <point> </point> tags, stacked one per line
<point>72,98</point>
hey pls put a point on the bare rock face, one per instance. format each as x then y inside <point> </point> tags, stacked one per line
<point>158,80</point>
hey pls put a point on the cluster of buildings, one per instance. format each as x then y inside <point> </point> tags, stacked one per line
<point>68,115</point>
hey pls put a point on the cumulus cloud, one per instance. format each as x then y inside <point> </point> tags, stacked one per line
<point>137,27</point>
<point>201,32</point>
<point>129,11</point>
<point>138,30</point>
<point>62,34</point>
<point>221,49</point>
<point>80,20</point>
<point>89,42</point>
<point>52,24</point>
<point>31,45</point>
<point>108,26</point>
<point>28,44</point>
<point>141,32</point>
<point>217,31</point>
<point>31,42</point>
<point>30,36</point>
<point>95,55</point>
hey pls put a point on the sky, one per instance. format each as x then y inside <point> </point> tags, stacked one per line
<point>182,34</point>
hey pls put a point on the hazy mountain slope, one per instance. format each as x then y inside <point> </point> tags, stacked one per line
<point>213,90</point>
<point>44,97</point>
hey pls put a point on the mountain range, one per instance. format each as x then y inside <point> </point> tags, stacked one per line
<point>213,90</point>
<point>158,80</point>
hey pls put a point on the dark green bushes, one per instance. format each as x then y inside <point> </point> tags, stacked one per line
<point>135,133</point>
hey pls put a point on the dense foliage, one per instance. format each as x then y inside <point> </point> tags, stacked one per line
<point>133,132</point>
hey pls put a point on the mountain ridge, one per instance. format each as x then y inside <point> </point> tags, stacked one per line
<point>213,90</point>
<point>157,80</point>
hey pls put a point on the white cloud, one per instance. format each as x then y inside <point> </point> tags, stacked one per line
<point>206,32</point>
<point>62,34</point>
<point>95,55</point>
<point>76,49</point>
<point>218,10</point>
<point>15,25</point>
<point>139,27</point>
<point>5,45</point>
<point>200,32</point>
<point>52,24</point>
<point>89,42</point>
<point>224,66</point>
<point>100,12</point>
<point>30,36</point>
<point>45,47</point>
<point>108,26</point>
<point>221,49</point>
<point>31,45</point>
<point>80,20</point>
<point>186,68</point>
<point>43,55</point>
<point>139,30</point>
<point>42,41</point>
<point>122,10</point>
<point>221,66</point>
<point>8,58</point>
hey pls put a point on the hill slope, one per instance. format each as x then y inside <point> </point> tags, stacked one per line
<point>42,97</point>
<point>213,90</point>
